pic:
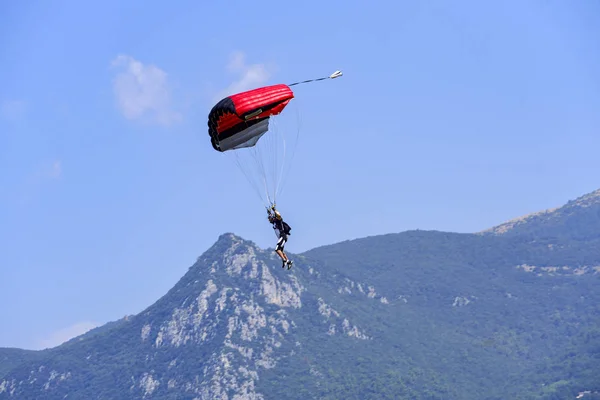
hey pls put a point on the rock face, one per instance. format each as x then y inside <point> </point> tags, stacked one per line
<point>416,315</point>
<point>241,310</point>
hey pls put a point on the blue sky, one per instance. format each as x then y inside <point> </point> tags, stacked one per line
<point>449,116</point>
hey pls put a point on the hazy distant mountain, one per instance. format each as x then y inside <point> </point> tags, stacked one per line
<point>10,358</point>
<point>579,219</point>
<point>512,313</point>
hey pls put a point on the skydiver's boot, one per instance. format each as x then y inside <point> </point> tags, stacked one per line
<point>289,264</point>
<point>283,263</point>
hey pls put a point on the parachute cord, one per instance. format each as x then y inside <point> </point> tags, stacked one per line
<point>279,137</point>
<point>256,185</point>
<point>282,166</point>
<point>293,151</point>
<point>274,156</point>
<point>336,74</point>
<point>308,81</point>
<point>250,180</point>
<point>299,118</point>
<point>258,160</point>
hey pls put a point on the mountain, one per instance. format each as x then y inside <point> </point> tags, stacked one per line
<point>577,220</point>
<point>10,358</point>
<point>510,313</point>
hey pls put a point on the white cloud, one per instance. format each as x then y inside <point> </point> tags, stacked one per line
<point>250,76</point>
<point>12,109</point>
<point>143,91</point>
<point>51,170</point>
<point>33,183</point>
<point>62,335</point>
<point>45,170</point>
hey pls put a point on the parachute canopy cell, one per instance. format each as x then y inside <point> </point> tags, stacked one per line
<point>241,119</point>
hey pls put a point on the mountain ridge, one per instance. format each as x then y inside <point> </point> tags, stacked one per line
<point>589,202</point>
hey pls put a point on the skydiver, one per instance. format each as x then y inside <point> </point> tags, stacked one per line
<point>282,230</point>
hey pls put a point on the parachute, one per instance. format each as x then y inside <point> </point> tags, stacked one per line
<point>243,124</point>
<point>240,120</point>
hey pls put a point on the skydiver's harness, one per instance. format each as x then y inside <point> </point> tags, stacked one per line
<point>272,217</point>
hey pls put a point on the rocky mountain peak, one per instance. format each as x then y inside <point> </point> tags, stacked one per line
<point>232,299</point>
<point>577,219</point>
<point>586,200</point>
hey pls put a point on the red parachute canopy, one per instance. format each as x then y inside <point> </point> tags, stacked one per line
<point>241,119</point>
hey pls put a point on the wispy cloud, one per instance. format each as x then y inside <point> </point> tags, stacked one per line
<point>62,335</point>
<point>12,110</point>
<point>37,178</point>
<point>143,92</point>
<point>250,75</point>
<point>51,170</point>
<point>44,171</point>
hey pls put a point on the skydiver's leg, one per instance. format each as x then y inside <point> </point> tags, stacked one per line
<point>279,250</point>
<point>281,254</point>
<point>284,257</point>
